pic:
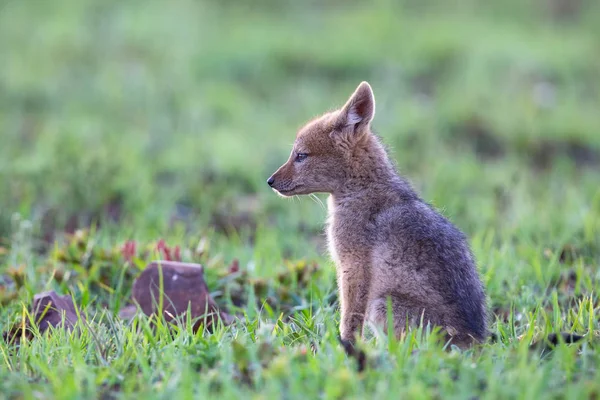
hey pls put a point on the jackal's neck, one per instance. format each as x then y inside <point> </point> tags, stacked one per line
<point>371,174</point>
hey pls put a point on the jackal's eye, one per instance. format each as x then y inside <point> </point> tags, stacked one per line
<point>301,157</point>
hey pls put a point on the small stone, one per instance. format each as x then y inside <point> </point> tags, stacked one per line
<point>183,287</point>
<point>49,308</point>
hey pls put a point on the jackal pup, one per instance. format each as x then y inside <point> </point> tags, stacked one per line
<point>387,243</point>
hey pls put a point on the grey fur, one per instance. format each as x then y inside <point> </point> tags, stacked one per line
<point>387,243</point>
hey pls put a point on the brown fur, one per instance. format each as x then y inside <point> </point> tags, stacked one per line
<point>387,244</point>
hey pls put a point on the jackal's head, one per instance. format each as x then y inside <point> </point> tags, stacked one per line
<point>324,153</point>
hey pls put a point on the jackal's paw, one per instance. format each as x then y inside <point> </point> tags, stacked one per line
<point>354,352</point>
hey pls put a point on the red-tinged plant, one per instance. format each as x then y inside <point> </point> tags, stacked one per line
<point>128,251</point>
<point>168,253</point>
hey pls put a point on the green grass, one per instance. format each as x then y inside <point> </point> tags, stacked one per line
<point>142,120</point>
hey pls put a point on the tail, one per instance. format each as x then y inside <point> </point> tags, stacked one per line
<point>554,339</point>
<point>549,342</point>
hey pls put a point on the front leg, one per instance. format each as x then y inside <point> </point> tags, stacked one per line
<point>353,291</point>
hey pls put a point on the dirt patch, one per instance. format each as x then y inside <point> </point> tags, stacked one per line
<point>235,217</point>
<point>544,154</point>
<point>478,136</point>
<point>565,10</point>
<point>304,65</point>
<point>54,222</point>
<point>570,253</point>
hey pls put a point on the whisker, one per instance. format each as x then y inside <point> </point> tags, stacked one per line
<point>317,200</point>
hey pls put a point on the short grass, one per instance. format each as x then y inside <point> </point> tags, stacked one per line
<point>146,120</point>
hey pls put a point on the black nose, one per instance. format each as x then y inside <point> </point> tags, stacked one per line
<point>270,181</point>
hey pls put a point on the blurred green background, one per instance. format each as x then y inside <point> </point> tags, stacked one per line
<point>152,119</point>
<point>149,120</point>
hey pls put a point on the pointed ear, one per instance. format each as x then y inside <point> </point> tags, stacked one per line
<point>359,109</point>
